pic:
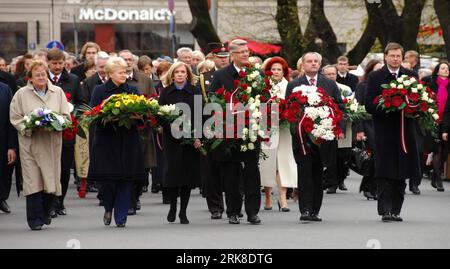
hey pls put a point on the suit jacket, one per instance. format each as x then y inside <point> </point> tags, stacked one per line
<point>87,87</point>
<point>327,147</point>
<point>143,83</point>
<point>390,160</point>
<point>79,71</point>
<point>349,80</point>
<point>9,80</point>
<point>70,84</point>
<point>208,78</point>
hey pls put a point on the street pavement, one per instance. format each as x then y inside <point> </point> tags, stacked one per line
<point>349,221</point>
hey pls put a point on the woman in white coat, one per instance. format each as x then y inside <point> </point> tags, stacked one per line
<point>279,169</point>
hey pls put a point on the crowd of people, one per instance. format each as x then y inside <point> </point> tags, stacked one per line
<point>117,162</point>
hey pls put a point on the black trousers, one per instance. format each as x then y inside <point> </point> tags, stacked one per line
<point>228,175</point>
<point>213,184</point>
<point>136,191</point>
<point>391,194</point>
<point>368,184</point>
<point>328,156</point>
<point>5,181</point>
<point>251,183</point>
<point>342,160</point>
<point>67,157</point>
<point>38,208</point>
<point>310,185</point>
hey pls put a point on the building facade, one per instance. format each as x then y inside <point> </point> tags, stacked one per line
<point>143,25</point>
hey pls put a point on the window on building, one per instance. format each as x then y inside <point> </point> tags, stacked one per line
<point>13,39</point>
<point>86,32</point>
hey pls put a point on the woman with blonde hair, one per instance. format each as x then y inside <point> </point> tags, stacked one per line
<point>40,150</point>
<point>116,153</point>
<point>182,162</point>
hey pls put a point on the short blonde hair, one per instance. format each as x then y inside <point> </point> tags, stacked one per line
<point>35,64</point>
<point>115,63</point>
<point>205,66</point>
<point>168,78</point>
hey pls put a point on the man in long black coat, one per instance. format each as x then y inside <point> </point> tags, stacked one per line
<point>227,165</point>
<point>8,146</point>
<point>319,161</point>
<point>392,164</point>
<point>71,85</point>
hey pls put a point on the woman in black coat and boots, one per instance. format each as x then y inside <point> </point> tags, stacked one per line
<point>363,130</point>
<point>182,167</point>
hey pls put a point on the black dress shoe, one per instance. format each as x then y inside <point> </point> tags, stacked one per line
<point>331,190</point>
<point>369,195</point>
<point>216,215</point>
<point>131,212</point>
<point>107,218</point>
<point>342,187</point>
<point>387,218</point>
<point>144,189</point>
<point>241,215</point>
<point>183,219</point>
<point>254,220</point>
<point>53,214</point>
<point>234,220</point>
<point>415,190</point>
<point>396,217</point>
<point>138,205</point>
<point>5,207</point>
<point>306,217</point>
<point>316,218</point>
<point>155,188</point>
<point>120,225</point>
<point>61,212</point>
<point>36,228</point>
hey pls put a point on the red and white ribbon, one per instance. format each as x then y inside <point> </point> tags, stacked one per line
<point>402,131</point>
<point>303,149</point>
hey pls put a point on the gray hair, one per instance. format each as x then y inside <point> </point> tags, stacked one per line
<point>329,66</point>
<point>101,55</point>
<point>313,53</point>
<point>198,53</point>
<point>235,44</point>
<point>180,51</point>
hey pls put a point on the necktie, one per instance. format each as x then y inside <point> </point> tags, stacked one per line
<point>312,82</point>
<point>394,75</point>
<point>103,80</point>
<point>55,79</point>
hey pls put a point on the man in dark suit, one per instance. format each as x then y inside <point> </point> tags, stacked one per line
<point>393,164</point>
<point>227,165</point>
<point>145,86</point>
<point>344,77</point>
<point>71,85</point>
<point>88,85</point>
<point>316,162</point>
<point>8,146</point>
<point>212,186</point>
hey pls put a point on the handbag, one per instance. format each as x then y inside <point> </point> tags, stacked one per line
<point>362,161</point>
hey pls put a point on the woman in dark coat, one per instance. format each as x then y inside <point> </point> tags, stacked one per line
<point>8,146</point>
<point>363,130</point>
<point>116,153</point>
<point>182,162</point>
<point>440,84</point>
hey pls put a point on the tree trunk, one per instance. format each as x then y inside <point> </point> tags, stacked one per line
<point>368,38</point>
<point>411,16</point>
<point>442,8</point>
<point>288,25</point>
<point>201,26</point>
<point>324,30</point>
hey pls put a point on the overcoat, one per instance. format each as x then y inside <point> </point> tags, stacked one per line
<point>40,153</point>
<point>390,159</point>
